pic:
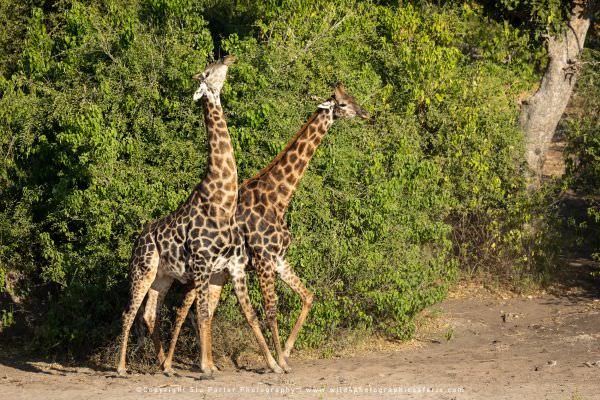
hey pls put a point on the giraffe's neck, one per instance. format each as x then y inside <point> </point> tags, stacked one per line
<point>286,170</point>
<point>219,187</point>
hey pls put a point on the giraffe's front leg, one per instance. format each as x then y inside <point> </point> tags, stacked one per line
<point>239,284</point>
<point>217,281</point>
<point>216,285</point>
<point>204,323</point>
<point>266,276</point>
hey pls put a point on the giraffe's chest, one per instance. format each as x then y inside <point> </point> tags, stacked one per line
<point>186,271</point>
<point>267,236</point>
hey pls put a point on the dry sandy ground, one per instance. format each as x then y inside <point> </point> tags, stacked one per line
<point>486,348</point>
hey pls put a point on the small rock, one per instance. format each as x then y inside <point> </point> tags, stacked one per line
<point>592,363</point>
<point>552,363</point>
<point>589,364</point>
<point>506,317</point>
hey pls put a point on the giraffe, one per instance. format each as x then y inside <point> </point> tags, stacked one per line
<point>263,201</point>
<point>199,241</point>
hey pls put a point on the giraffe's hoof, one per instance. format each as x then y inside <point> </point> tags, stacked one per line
<point>161,359</point>
<point>284,366</point>
<point>121,372</point>
<point>277,369</point>
<point>168,371</point>
<point>208,370</point>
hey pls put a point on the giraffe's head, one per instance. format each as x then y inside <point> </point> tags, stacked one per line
<point>213,77</point>
<point>344,105</point>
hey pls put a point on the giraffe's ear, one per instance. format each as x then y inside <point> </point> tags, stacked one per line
<point>340,90</point>
<point>228,59</point>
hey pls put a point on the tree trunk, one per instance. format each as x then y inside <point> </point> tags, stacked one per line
<point>542,112</point>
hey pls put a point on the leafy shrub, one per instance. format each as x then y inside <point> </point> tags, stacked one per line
<point>582,130</point>
<point>100,136</point>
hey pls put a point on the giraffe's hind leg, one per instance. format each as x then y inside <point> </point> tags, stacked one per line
<point>143,271</point>
<point>182,312</point>
<point>289,276</point>
<point>139,328</point>
<point>154,302</point>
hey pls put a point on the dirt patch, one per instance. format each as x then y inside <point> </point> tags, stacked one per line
<point>515,348</point>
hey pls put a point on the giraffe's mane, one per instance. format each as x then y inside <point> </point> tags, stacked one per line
<point>279,156</point>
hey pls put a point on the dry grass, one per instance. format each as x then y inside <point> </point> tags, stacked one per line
<point>234,345</point>
<point>486,285</point>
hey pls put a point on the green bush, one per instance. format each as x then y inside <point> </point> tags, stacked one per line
<point>99,135</point>
<point>582,130</point>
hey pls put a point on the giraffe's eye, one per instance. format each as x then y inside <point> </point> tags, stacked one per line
<point>343,104</point>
